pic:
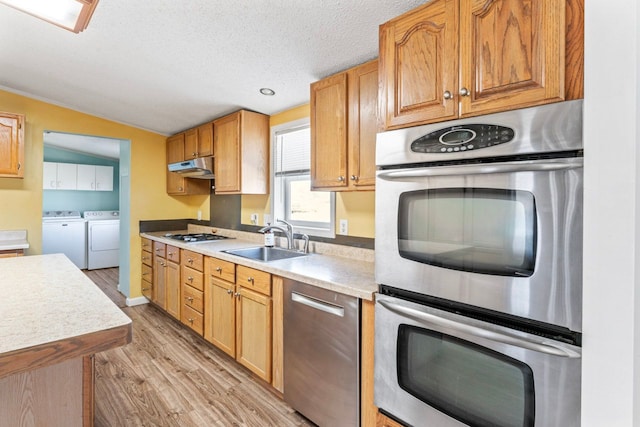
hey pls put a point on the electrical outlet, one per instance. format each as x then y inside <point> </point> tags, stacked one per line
<point>254,218</point>
<point>344,226</point>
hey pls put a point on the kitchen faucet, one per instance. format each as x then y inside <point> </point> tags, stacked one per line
<point>288,232</point>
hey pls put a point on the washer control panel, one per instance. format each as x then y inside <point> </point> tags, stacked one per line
<point>462,138</point>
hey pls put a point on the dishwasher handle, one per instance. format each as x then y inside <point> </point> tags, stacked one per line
<point>317,304</point>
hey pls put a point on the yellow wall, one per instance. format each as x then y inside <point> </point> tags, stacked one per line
<point>22,198</point>
<point>356,207</point>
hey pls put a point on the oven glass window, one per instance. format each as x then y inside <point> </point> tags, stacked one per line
<point>481,230</point>
<point>471,383</point>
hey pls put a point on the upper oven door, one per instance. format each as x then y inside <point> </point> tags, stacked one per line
<point>502,236</point>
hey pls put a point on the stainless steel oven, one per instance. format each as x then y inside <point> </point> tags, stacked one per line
<point>437,368</point>
<point>486,211</point>
<point>479,262</point>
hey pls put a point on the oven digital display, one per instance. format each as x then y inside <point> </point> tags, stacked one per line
<point>459,138</point>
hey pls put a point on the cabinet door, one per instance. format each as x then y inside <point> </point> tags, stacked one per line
<point>86,177</point>
<point>190,144</point>
<point>329,133</point>
<point>49,175</point>
<point>205,140</point>
<point>172,289</point>
<point>11,145</point>
<point>253,332</point>
<point>175,153</point>
<point>419,65</point>
<point>67,176</point>
<point>363,125</point>
<point>220,315</point>
<point>159,282</point>
<point>104,178</point>
<point>226,146</point>
<point>512,54</point>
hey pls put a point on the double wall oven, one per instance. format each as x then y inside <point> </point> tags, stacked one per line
<point>479,263</point>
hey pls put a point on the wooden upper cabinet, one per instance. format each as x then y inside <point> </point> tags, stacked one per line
<point>460,58</point>
<point>241,153</point>
<point>11,145</point>
<point>363,125</point>
<point>343,129</point>
<point>511,54</point>
<point>176,184</point>
<point>329,133</point>
<point>419,64</point>
<point>198,142</point>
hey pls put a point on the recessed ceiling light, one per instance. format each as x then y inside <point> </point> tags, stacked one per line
<point>72,15</point>
<point>266,91</point>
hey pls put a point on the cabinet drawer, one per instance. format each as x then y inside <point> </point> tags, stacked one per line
<point>192,277</point>
<point>147,289</point>
<point>159,249</point>
<point>147,259</point>
<point>192,319</point>
<point>147,244</point>
<point>221,269</point>
<point>193,260</point>
<point>193,298</point>
<point>173,254</point>
<point>256,280</point>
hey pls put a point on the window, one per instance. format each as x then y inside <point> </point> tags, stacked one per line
<point>310,212</point>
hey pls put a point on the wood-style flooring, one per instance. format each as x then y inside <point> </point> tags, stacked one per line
<point>168,376</point>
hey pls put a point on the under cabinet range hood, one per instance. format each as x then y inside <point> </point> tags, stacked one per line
<point>202,168</point>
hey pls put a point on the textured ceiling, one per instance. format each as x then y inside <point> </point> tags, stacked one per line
<point>167,65</point>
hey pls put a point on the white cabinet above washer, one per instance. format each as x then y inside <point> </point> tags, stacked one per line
<point>59,176</point>
<point>95,178</point>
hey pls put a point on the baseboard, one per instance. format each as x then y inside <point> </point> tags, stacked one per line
<point>136,301</point>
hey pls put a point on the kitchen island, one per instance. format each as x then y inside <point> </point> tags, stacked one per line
<point>54,319</point>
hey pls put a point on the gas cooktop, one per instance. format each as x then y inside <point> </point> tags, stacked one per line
<point>196,237</point>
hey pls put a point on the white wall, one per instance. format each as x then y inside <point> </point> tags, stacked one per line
<point>612,197</point>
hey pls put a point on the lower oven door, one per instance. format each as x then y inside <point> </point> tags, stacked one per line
<point>435,368</point>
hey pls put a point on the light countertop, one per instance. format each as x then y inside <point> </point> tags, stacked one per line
<point>50,307</point>
<point>13,239</point>
<point>345,275</point>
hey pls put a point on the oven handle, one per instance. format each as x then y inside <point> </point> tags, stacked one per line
<point>546,165</point>
<point>501,337</point>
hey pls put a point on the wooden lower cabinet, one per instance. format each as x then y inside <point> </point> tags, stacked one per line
<point>238,319</point>
<point>159,296</point>
<point>192,288</point>
<point>172,289</point>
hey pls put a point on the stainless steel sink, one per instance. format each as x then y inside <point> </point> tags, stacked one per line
<point>266,254</point>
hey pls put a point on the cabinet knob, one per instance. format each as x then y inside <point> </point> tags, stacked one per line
<point>190,320</point>
<point>158,249</point>
<point>341,179</point>
<point>194,154</point>
<point>229,291</point>
<point>447,95</point>
<point>237,294</point>
<point>250,279</point>
<point>190,299</point>
<point>180,189</point>
<point>145,289</point>
<point>190,279</point>
<point>354,178</point>
<point>145,274</point>
<point>219,269</point>
<point>464,92</point>
<point>190,261</point>
<point>163,264</point>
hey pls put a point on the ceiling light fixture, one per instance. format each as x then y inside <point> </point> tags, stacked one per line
<point>266,91</point>
<point>72,15</point>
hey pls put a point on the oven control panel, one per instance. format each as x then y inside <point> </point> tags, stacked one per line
<point>462,138</point>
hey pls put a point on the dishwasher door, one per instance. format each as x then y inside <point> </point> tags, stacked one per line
<point>322,354</point>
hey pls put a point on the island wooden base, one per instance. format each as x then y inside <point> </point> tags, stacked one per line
<point>52,396</point>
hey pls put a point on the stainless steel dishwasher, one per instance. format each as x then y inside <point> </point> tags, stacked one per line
<point>322,354</point>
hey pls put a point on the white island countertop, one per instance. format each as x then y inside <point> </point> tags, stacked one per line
<point>51,311</point>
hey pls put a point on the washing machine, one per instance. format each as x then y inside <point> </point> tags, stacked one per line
<point>103,239</point>
<point>65,232</point>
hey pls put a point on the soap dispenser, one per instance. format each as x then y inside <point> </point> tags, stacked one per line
<point>269,237</point>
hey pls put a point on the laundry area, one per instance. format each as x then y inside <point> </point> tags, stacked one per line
<point>81,216</point>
